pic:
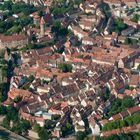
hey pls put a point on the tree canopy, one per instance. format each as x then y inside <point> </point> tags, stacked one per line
<point>135,18</point>
<point>2,110</point>
<point>12,113</point>
<point>58,30</point>
<point>66,129</point>
<point>36,127</point>
<point>43,134</point>
<point>119,105</point>
<point>21,126</point>
<point>15,25</point>
<point>17,99</point>
<point>138,68</point>
<point>118,25</point>
<point>128,121</point>
<point>65,67</point>
<point>80,135</point>
<point>3,91</point>
<point>128,136</point>
<point>130,41</point>
<point>49,124</point>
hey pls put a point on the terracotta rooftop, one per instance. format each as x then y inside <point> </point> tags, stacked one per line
<point>11,38</point>
<point>14,92</point>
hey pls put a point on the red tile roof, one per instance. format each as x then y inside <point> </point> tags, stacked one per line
<point>12,38</point>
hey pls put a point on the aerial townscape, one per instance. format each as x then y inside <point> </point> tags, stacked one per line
<point>70,69</point>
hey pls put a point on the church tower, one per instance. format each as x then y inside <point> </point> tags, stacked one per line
<point>42,27</point>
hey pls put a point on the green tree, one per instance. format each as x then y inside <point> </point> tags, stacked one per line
<point>24,21</point>
<point>58,30</point>
<point>4,71</point>
<point>61,49</point>
<point>106,10</point>
<point>43,134</point>
<point>138,68</point>
<point>17,128</point>
<point>17,99</point>
<point>118,25</point>
<point>106,95</point>
<point>41,13</point>
<point>77,2</point>
<point>60,8</point>
<point>31,78</point>
<point>127,41</point>
<point>66,129</point>
<point>80,135</point>
<point>135,18</point>
<point>21,126</point>
<point>23,7</point>
<point>12,113</point>
<point>127,121</point>
<point>130,41</point>
<point>2,110</point>
<point>7,5</point>
<point>2,52</point>
<point>25,125</point>
<point>127,102</point>
<point>65,67</point>
<point>128,136</point>
<point>55,117</point>
<point>113,6</point>
<point>36,127</point>
<point>3,91</point>
<point>56,27</point>
<point>14,29</point>
<point>34,39</point>
<point>120,105</point>
<point>136,119</point>
<point>6,122</point>
<point>49,124</point>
